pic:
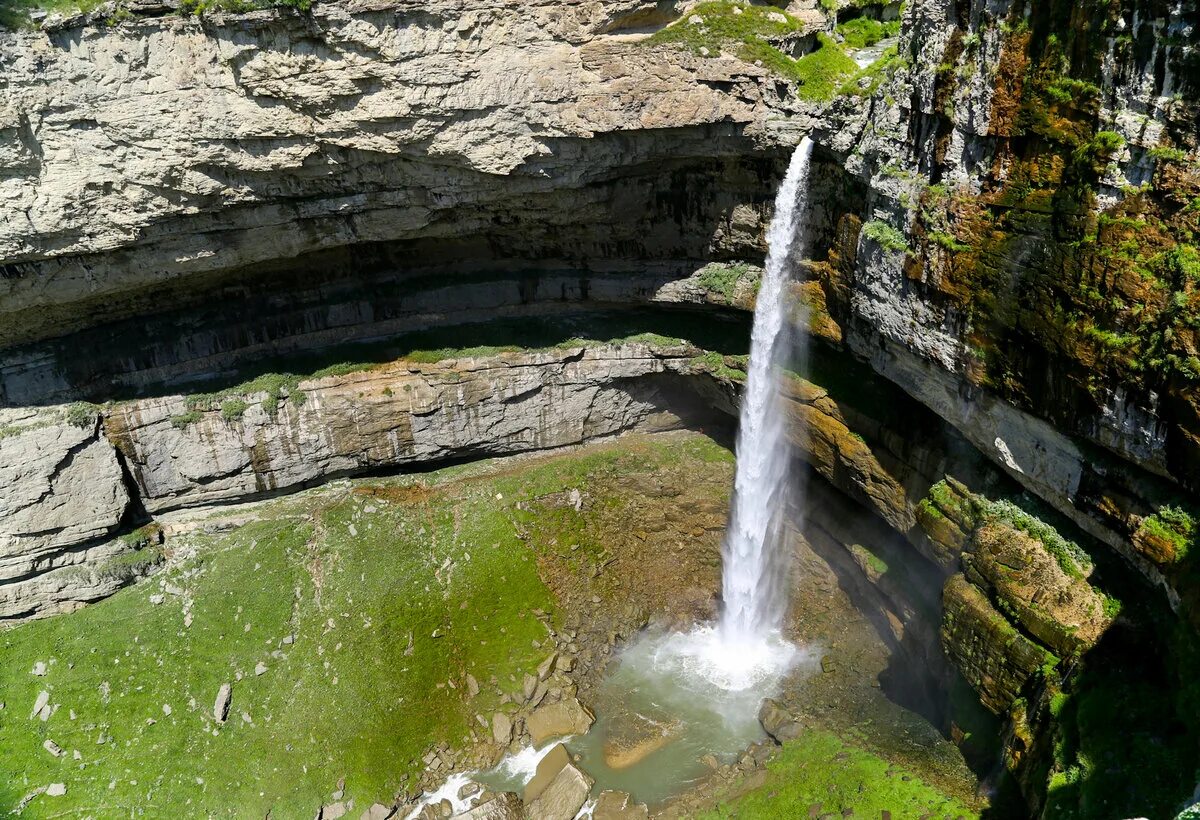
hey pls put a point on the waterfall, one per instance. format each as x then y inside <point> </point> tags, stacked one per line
<point>754,561</point>
<point>726,669</point>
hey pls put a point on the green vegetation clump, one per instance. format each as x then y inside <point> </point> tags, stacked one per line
<point>81,414</point>
<point>716,364</point>
<point>1067,90</point>
<point>885,236</point>
<point>1069,555</point>
<point>865,31</point>
<point>820,769</point>
<point>1174,525</point>
<point>233,409</point>
<point>276,386</point>
<point>747,31</point>
<point>722,279</point>
<point>949,242</point>
<point>822,72</point>
<point>1168,154</point>
<point>184,420</point>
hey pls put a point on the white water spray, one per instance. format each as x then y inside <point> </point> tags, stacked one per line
<point>753,581</point>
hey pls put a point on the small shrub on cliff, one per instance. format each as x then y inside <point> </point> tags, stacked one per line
<point>885,236</point>
<point>233,409</point>
<point>184,420</point>
<point>81,414</point>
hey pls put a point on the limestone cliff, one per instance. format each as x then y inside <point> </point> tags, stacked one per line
<point>74,481</point>
<point>1003,229</point>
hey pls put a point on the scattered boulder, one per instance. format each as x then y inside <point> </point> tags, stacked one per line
<point>472,686</point>
<point>547,666</point>
<point>221,706</point>
<point>52,747</point>
<point>333,811</point>
<point>377,811</point>
<point>39,705</point>
<point>56,789</point>
<point>563,798</point>
<point>39,669</point>
<point>778,722</point>
<point>567,717</point>
<point>260,668</point>
<point>612,805</point>
<point>634,736</point>
<point>502,728</point>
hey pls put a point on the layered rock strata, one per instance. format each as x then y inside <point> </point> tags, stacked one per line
<point>165,160</point>
<point>73,488</point>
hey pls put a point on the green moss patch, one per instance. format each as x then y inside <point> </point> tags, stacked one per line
<point>368,604</point>
<point>749,32</point>
<point>886,236</point>
<point>1172,525</point>
<point>862,32</point>
<point>818,773</point>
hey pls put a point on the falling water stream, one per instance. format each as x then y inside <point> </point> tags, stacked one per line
<point>754,568</point>
<point>673,698</point>
<point>702,689</point>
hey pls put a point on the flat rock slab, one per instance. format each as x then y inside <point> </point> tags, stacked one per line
<point>567,717</point>
<point>563,798</point>
<point>504,806</point>
<point>634,736</point>
<point>613,805</point>
<point>547,769</point>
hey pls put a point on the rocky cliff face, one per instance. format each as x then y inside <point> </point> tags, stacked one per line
<point>149,164</point>
<point>76,480</point>
<point>1020,264</point>
<point>1003,235</point>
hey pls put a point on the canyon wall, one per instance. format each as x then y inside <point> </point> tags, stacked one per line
<point>1002,259</point>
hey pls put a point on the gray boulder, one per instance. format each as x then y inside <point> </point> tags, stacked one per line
<point>778,721</point>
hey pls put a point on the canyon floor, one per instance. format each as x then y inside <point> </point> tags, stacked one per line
<point>371,630</point>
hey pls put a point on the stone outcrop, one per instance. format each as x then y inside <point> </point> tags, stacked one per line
<point>991,654</point>
<point>400,414</point>
<point>566,717</point>
<point>1022,601</point>
<point>74,477</point>
<point>62,493</point>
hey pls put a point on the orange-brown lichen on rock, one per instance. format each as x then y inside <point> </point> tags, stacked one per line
<point>1062,611</point>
